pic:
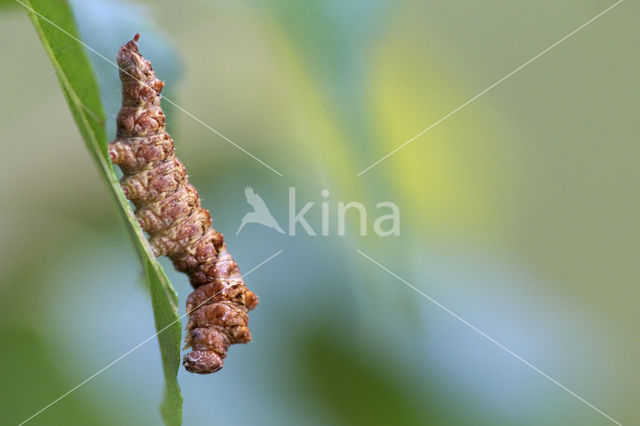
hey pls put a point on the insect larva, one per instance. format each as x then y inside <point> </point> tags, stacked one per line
<point>168,209</point>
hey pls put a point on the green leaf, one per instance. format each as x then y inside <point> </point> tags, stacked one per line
<point>54,23</point>
<point>8,3</point>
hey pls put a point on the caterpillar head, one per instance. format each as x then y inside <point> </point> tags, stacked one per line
<point>202,362</point>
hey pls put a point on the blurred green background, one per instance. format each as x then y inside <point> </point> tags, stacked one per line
<point>519,213</point>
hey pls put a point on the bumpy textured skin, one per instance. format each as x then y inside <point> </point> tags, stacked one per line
<point>168,209</point>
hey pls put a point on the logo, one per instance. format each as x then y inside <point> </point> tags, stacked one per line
<point>260,213</point>
<point>384,225</point>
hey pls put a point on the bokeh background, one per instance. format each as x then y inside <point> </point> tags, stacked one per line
<point>519,213</point>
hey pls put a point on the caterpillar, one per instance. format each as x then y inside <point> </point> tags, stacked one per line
<point>168,209</point>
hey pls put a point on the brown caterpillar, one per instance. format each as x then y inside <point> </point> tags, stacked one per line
<point>168,209</point>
